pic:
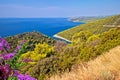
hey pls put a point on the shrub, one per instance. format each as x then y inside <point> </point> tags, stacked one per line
<point>40,51</point>
<point>59,46</point>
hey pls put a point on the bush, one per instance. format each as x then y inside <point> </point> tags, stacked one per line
<point>40,51</point>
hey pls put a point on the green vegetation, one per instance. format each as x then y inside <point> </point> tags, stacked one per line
<point>94,27</point>
<point>97,44</point>
<point>104,67</point>
<point>46,57</point>
<point>40,51</point>
<point>31,38</point>
<point>91,46</point>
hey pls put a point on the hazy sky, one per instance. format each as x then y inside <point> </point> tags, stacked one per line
<point>58,8</point>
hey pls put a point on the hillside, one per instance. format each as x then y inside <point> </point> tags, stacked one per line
<point>31,38</point>
<point>96,27</point>
<point>57,59</point>
<point>85,19</point>
<point>105,67</point>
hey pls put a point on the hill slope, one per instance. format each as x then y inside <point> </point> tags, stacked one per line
<point>32,38</point>
<point>86,19</point>
<point>65,56</point>
<point>94,27</point>
<point>105,67</point>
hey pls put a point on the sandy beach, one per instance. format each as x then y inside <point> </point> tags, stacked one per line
<point>61,38</point>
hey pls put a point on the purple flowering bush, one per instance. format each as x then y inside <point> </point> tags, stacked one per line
<point>4,44</point>
<point>5,70</point>
<point>8,69</point>
<point>22,76</point>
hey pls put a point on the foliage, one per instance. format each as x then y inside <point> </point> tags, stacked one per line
<point>97,44</point>
<point>40,51</point>
<point>57,63</point>
<point>59,45</point>
<point>93,38</point>
<point>87,48</point>
<point>7,66</point>
<point>81,37</point>
<point>104,67</point>
<point>52,65</point>
<point>95,27</point>
<point>32,38</point>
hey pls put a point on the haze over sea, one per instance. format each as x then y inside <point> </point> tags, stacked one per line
<point>47,26</point>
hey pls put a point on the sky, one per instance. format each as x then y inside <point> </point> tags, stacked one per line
<point>58,8</point>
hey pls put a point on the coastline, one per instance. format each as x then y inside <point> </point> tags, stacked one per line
<point>56,36</point>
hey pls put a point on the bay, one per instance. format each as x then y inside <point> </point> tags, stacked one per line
<point>47,26</point>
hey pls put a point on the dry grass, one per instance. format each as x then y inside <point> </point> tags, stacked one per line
<point>104,67</point>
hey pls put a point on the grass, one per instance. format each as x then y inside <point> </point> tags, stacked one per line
<point>104,67</point>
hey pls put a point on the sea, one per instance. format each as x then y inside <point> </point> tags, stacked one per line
<point>47,26</point>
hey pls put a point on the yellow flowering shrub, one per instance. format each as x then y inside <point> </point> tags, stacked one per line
<point>40,51</point>
<point>81,37</point>
<point>32,63</point>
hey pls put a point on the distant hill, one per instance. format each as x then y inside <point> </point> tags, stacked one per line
<point>95,27</point>
<point>86,19</point>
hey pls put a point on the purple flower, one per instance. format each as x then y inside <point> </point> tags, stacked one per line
<point>27,60</point>
<point>8,56</point>
<point>27,77</point>
<point>19,46</point>
<point>20,77</point>
<point>4,44</point>
<point>16,72</point>
<point>22,42</point>
<point>23,77</point>
<point>1,39</point>
<point>5,71</point>
<point>1,55</point>
<point>1,46</point>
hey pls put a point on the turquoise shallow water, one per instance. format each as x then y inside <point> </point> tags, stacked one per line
<point>47,26</point>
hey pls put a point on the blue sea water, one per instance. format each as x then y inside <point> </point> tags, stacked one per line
<point>47,26</point>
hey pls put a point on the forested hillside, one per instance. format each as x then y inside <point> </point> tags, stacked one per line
<point>94,27</point>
